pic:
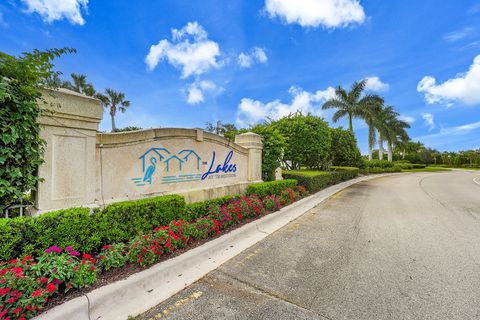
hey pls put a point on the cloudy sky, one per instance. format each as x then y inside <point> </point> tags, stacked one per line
<point>185,62</point>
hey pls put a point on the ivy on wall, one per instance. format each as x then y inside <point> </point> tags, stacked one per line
<point>21,148</point>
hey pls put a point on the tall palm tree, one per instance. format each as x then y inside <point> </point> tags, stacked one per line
<point>369,114</point>
<point>79,82</point>
<point>349,103</point>
<point>114,101</point>
<point>382,123</point>
<point>396,133</point>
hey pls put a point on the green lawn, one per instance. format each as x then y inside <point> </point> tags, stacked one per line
<point>427,169</point>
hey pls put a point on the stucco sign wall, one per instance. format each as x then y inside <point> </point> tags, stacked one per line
<point>85,168</point>
<point>160,161</point>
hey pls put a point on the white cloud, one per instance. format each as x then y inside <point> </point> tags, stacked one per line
<point>407,119</point>
<point>253,111</point>
<point>375,84</point>
<point>447,135</point>
<point>196,91</point>
<point>465,87</point>
<point>190,50</point>
<point>429,120</point>
<point>51,10</point>
<point>313,13</point>
<point>458,35</point>
<point>246,60</point>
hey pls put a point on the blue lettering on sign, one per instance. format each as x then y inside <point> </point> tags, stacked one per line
<point>226,167</point>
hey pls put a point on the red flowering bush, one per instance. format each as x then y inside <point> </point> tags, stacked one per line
<point>287,197</point>
<point>112,256</point>
<point>271,203</point>
<point>302,191</point>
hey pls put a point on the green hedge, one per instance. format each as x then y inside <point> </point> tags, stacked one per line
<point>312,180</point>
<point>121,221</point>
<point>381,170</point>
<point>408,166</point>
<point>378,164</point>
<point>85,232</point>
<point>345,173</point>
<point>197,210</point>
<point>263,189</point>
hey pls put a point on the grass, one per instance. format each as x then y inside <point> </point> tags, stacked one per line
<point>427,169</point>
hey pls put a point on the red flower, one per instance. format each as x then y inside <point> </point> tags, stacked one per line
<point>51,287</point>
<point>87,256</point>
<point>239,216</point>
<point>17,310</point>
<point>37,293</point>
<point>92,268</point>
<point>107,246</point>
<point>4,291</point>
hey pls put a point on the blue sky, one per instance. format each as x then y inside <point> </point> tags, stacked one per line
<point>182,63</point>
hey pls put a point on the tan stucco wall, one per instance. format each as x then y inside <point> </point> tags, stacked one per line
<point>69,123</point>
<point>85,168</point>
<point>123,165</point>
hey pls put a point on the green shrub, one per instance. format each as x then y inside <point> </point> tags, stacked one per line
<point>121,221</point>
<point>344,151</point>
<point>378,164</point>
<point>345,173</point>
<point>76,227</point>
<point>381,170</point>
<point>312,180</point>
<point>263,189</point>
<point>197,210</point>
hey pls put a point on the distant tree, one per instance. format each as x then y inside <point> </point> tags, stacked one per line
<point>129,128</point>
<point>79,84</point>
<point>114,101</point>
<point>350,103</point>
<point>220,128</point>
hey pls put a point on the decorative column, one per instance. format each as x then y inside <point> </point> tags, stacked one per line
<point>69,124</point>
<point>252,142</point>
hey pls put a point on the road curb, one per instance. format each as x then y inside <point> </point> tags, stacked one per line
<point>144,290</point>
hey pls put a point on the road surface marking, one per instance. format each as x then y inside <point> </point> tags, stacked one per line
<point>476,180</point>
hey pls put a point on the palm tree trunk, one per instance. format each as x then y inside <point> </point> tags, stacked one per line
<point>390,153</point>
<point>113,121</point>
<point>350,125</point>
<point>380,146</point>
<point>371,141</point>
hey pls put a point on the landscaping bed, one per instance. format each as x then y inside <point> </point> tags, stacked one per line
<point>31,283</point>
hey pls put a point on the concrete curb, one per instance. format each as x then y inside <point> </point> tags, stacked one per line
<point>144,290</point>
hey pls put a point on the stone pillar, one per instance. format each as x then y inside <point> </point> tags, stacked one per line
<point>252,142</point>
<point>69,125</point>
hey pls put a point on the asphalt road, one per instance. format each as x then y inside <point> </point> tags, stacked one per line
<point>399,247</point>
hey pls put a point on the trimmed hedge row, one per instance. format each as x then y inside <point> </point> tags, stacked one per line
<point>375,163</point>
<point>408,166</point>
<point>264,189</point>
<point>381,170</point>
<point>86,232</point>
<point>317,180</point>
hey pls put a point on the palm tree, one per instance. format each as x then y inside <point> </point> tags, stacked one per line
<point>350,103</point>
<point>80,85</point>
<point>382,122</point>
<point>114,101</point>
<point>396,133</point>
<point>369,114</point>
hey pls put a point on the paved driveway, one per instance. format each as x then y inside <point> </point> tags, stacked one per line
<point>400,247</point>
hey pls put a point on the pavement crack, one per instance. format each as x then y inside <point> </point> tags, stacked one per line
<point>272,295</point>
<point>261,231</point>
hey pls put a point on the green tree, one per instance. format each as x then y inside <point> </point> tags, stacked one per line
<point>308,141</point>
<point>114,101</point>
<point>351,103</point>
<point>222,129</point>
<point>344,148</point>
<point>21,150</point>
<point>128,128</point>
<point>79,84</point>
